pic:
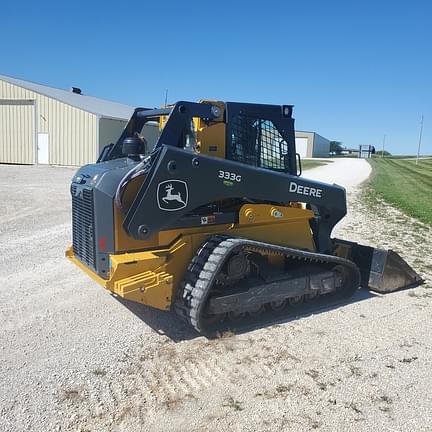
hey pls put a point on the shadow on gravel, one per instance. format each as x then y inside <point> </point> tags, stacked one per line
<point>168,324</point>
<point>163,323</point>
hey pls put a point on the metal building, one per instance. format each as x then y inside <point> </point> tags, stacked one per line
<point>46,125</point>
<point>311,145</point>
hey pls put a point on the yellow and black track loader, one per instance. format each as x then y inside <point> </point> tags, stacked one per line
<point>201,208</point>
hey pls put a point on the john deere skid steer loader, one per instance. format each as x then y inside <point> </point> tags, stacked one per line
<point>210,217</point>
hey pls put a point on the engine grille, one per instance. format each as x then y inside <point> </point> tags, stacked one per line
<point>83,225</point>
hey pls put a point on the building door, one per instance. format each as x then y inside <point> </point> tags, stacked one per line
<point>42,147</point>
<point>17,131</point>
<point>301,146</point>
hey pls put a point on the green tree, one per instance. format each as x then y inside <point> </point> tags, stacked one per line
<point>380,152</point>
<point>336,147</point>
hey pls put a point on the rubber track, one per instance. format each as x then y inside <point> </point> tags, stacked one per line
<point>202,271</point>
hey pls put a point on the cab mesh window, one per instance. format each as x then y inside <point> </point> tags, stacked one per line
<point>258,142</point>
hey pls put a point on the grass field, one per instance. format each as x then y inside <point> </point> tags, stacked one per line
<point>405,185</point>
<point>310,163</point>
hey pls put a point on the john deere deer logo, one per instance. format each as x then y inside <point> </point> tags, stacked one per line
<point>172,195</point>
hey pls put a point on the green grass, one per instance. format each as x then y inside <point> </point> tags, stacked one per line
<point>310,163</point>
<point>404,157</point>
<point>405,185</point>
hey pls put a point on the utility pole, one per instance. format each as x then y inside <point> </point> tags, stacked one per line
<point>420,138</point>
<point>166,98</point>
<point>382,154</point>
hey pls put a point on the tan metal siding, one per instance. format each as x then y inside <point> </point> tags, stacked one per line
<point>72,132</point>
<point>110,131</point>
<point>17,133</point>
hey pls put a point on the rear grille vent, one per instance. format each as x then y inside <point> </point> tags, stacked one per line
<point>83,225</point>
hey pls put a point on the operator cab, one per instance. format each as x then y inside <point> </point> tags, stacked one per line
<point>252,134</point>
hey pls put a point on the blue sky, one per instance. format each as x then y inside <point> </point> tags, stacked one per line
<point>354,70</point>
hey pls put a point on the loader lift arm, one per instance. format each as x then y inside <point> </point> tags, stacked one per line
<point>201,175</point>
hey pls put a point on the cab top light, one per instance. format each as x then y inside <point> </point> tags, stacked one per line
<point>286,110</point>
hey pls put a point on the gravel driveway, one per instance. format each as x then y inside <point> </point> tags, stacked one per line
<point>73,358</point>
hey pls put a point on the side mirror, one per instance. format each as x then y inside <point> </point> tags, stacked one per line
<point>133,147</point>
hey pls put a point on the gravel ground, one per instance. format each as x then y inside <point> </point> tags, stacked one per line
<point>73,358</point>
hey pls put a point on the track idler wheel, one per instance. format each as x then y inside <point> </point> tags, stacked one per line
<point>312,295</point>
<point>278,305</point>
<point>257,311</point>
<point>236,316</point>
<point>296,301</point>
